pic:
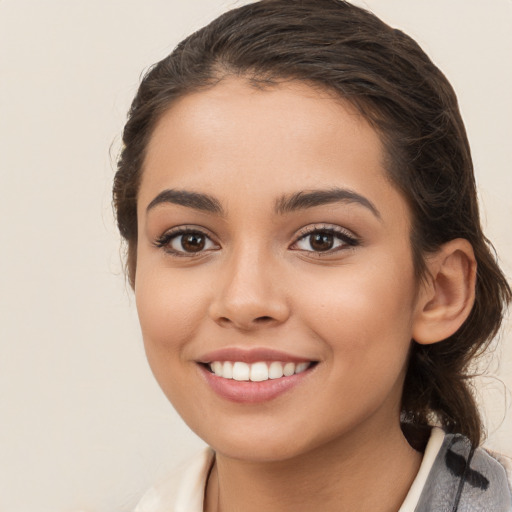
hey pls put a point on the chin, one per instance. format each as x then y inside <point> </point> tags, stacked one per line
<point>262,440</point>
<point>258,450</point>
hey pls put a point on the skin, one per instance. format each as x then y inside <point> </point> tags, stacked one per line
<point>260,283</point>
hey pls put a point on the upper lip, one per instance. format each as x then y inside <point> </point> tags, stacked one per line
<point>252,355</point>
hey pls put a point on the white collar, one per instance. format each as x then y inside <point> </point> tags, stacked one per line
<point>184,490</point>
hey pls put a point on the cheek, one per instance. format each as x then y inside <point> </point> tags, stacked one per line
<point>170,308</point>
<point>364,319</point>
<point>363,310</point>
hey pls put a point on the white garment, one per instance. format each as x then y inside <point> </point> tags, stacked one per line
<point>184,490</point>
<point>434,444</point>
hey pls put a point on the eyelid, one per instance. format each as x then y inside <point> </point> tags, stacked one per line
<point>164,240</point>
<point>347,236</point>
<point>333,228</point>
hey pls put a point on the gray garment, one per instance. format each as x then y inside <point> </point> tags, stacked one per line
<point>464,479</point>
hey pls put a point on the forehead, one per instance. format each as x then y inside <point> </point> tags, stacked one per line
<point>238,138</point>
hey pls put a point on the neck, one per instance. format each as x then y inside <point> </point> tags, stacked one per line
<point>357,473</point>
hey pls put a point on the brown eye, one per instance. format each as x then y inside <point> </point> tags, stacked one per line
<point>192,242</point>
<point>325,240</point>
<point>185,242</point>
<point>321,241</point>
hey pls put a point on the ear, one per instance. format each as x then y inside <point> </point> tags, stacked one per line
<point>447,293</point>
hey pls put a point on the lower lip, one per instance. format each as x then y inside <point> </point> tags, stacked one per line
<point>252,392</point>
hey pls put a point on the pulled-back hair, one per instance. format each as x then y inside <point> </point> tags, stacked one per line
<point>336,46</point>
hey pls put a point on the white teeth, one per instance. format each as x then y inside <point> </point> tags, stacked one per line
<point>217,368</point>
<point>241,371</point>
<point>256,372</point>
<point>227,370</point>
<point>275,370</point>
<point>301,367</point>
<point>259,372</point>
<point>289,369</point>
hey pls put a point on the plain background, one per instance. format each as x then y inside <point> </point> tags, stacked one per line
<point>83,426</point>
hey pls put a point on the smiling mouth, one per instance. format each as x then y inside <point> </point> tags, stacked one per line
<point>257,372</point>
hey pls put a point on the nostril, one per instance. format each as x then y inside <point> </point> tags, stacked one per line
<point>263,319</point>
<point>247,324</point>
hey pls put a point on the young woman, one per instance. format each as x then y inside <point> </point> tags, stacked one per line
<point>297,196</point>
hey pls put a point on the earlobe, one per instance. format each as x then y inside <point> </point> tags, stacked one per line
<point>447,294</point>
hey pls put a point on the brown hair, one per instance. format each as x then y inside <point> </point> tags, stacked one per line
<point>406,98</point>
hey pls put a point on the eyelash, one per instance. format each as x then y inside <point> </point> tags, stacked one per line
<point>343,235</point>
<point>164,241</point>
<point>349,240</point>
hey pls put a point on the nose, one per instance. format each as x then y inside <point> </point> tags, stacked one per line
<point>249,294</point>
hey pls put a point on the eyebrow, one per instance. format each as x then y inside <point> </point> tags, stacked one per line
<point>285,204</point>
<point>196,200</point>
<point>304,199</point>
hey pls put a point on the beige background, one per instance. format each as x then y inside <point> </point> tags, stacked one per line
<point>82,424</point>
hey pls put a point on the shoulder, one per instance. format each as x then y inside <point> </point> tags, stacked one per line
<point>467,479</point>
<point>182,490</point>
<point>503,460</point>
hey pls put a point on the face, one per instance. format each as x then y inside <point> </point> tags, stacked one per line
<point>274,279</point>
